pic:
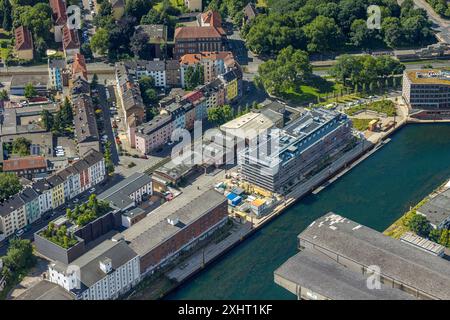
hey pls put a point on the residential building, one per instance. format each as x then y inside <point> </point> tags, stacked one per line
<point>12,215</point>
<point>27,167</point>
<point>79,69</point>
<point>106,272</point>
<point>43,188</point>
<point>232,81</point>
<point>57,185</point>
<point>153,134</point>
<point>96,167</point>
<point>287,156</point>
<point>174,227</point>
<point>173,73</point>
<point>213,63</point>
<point>59,16</point>
<point>57,78</point>
<point>86,131</point>
<point>71,42</point>
<point>72,184</point>
<point>194,5</point>
<point>337,255</point>
<point>23,46</point>
<point>427,93</point>
<point>195,39</point>
<point>118,8</point>
<point>30,198</point>
<point>131,100</point>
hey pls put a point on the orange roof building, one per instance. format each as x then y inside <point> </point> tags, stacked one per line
<point>24,43</point>
<point>26,166</point>
<point>79,68</point>
<point>71,42</point>
<point>211,18</point>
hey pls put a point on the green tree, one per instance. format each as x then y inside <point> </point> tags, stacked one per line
<point>46,120</point>
<point>21,146</point>
<point>220,114</point>
<point>4,95</point>
<point>100,41</point>
<point>108,160</point>
<point>30,91</point>
<point>419,225</point>
<point>194,76</point>
<point>290,70</point>
<point>323,34</point>
<point>9,185</point>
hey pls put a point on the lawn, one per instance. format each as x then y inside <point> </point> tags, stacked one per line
<point>5,44</point>
<point>399,227</point>
<point>384,106</point>
<point>361,124</point>
<point>318,89</point>
<point>174,3</point>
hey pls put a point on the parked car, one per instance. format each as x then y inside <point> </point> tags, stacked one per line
<point>19,232</point>
<point>92,190</point>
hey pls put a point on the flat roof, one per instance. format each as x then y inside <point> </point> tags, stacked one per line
<point>321,275</point>
<point>155,229</point>
<point>396,259</point>
<point>422,243</point>
<point>437,209</point>
<point>429,76</point>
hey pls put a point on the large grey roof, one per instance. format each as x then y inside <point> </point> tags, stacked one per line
<point>119,194</point>
<point>11,204</point>
<point>322,275</point>
<point>89,263</point>
<point>154,229</point>
<point>365,246</point>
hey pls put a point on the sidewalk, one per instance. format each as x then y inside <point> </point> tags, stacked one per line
<point>196,262</point>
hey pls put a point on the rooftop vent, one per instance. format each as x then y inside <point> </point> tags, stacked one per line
<point>173,221</point>
<point>106,265</point>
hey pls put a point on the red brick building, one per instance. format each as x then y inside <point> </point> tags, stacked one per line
<point>176,226</point>
<point>195,39</point>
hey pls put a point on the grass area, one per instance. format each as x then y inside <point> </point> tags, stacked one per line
<point>399,227</point>
<point>384,106</point>
<point>5,44</point>
<point>361,124</point>
<point>316,91</point>
<point>174,3</point>
<point>261,3</point>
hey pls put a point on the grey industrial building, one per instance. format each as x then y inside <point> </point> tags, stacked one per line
<point>340,252</point>
<point>289,155</point>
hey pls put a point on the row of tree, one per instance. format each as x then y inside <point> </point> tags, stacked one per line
<point>321,26</point>
<point>365,69</point>
<point>442,7</point>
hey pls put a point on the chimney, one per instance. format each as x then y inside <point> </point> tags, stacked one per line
<point>106,265</point>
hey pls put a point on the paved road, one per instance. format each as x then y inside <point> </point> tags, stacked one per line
<point>107,122</point>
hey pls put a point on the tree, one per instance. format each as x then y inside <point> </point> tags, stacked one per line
<point>7,12</point>
<point>46,120</point>
<point>323,34</point>
<point>30,91</point>
<point>108,160</point>
<point>94,81</point>
<point>220,114</point>
<point>100,41</point>
<point>290,70</point>
<point>4,95</point>
<point>194,76</point>
<point>9,185</point>
<point>137,8</point>
<point>419,225</point>
<point>140,46</point>
<point>66,113</point>
<point>21,146</point>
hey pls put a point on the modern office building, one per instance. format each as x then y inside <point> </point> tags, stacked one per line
<point>287,156</point>
<point>427,92</point>
<point>342,259</point>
